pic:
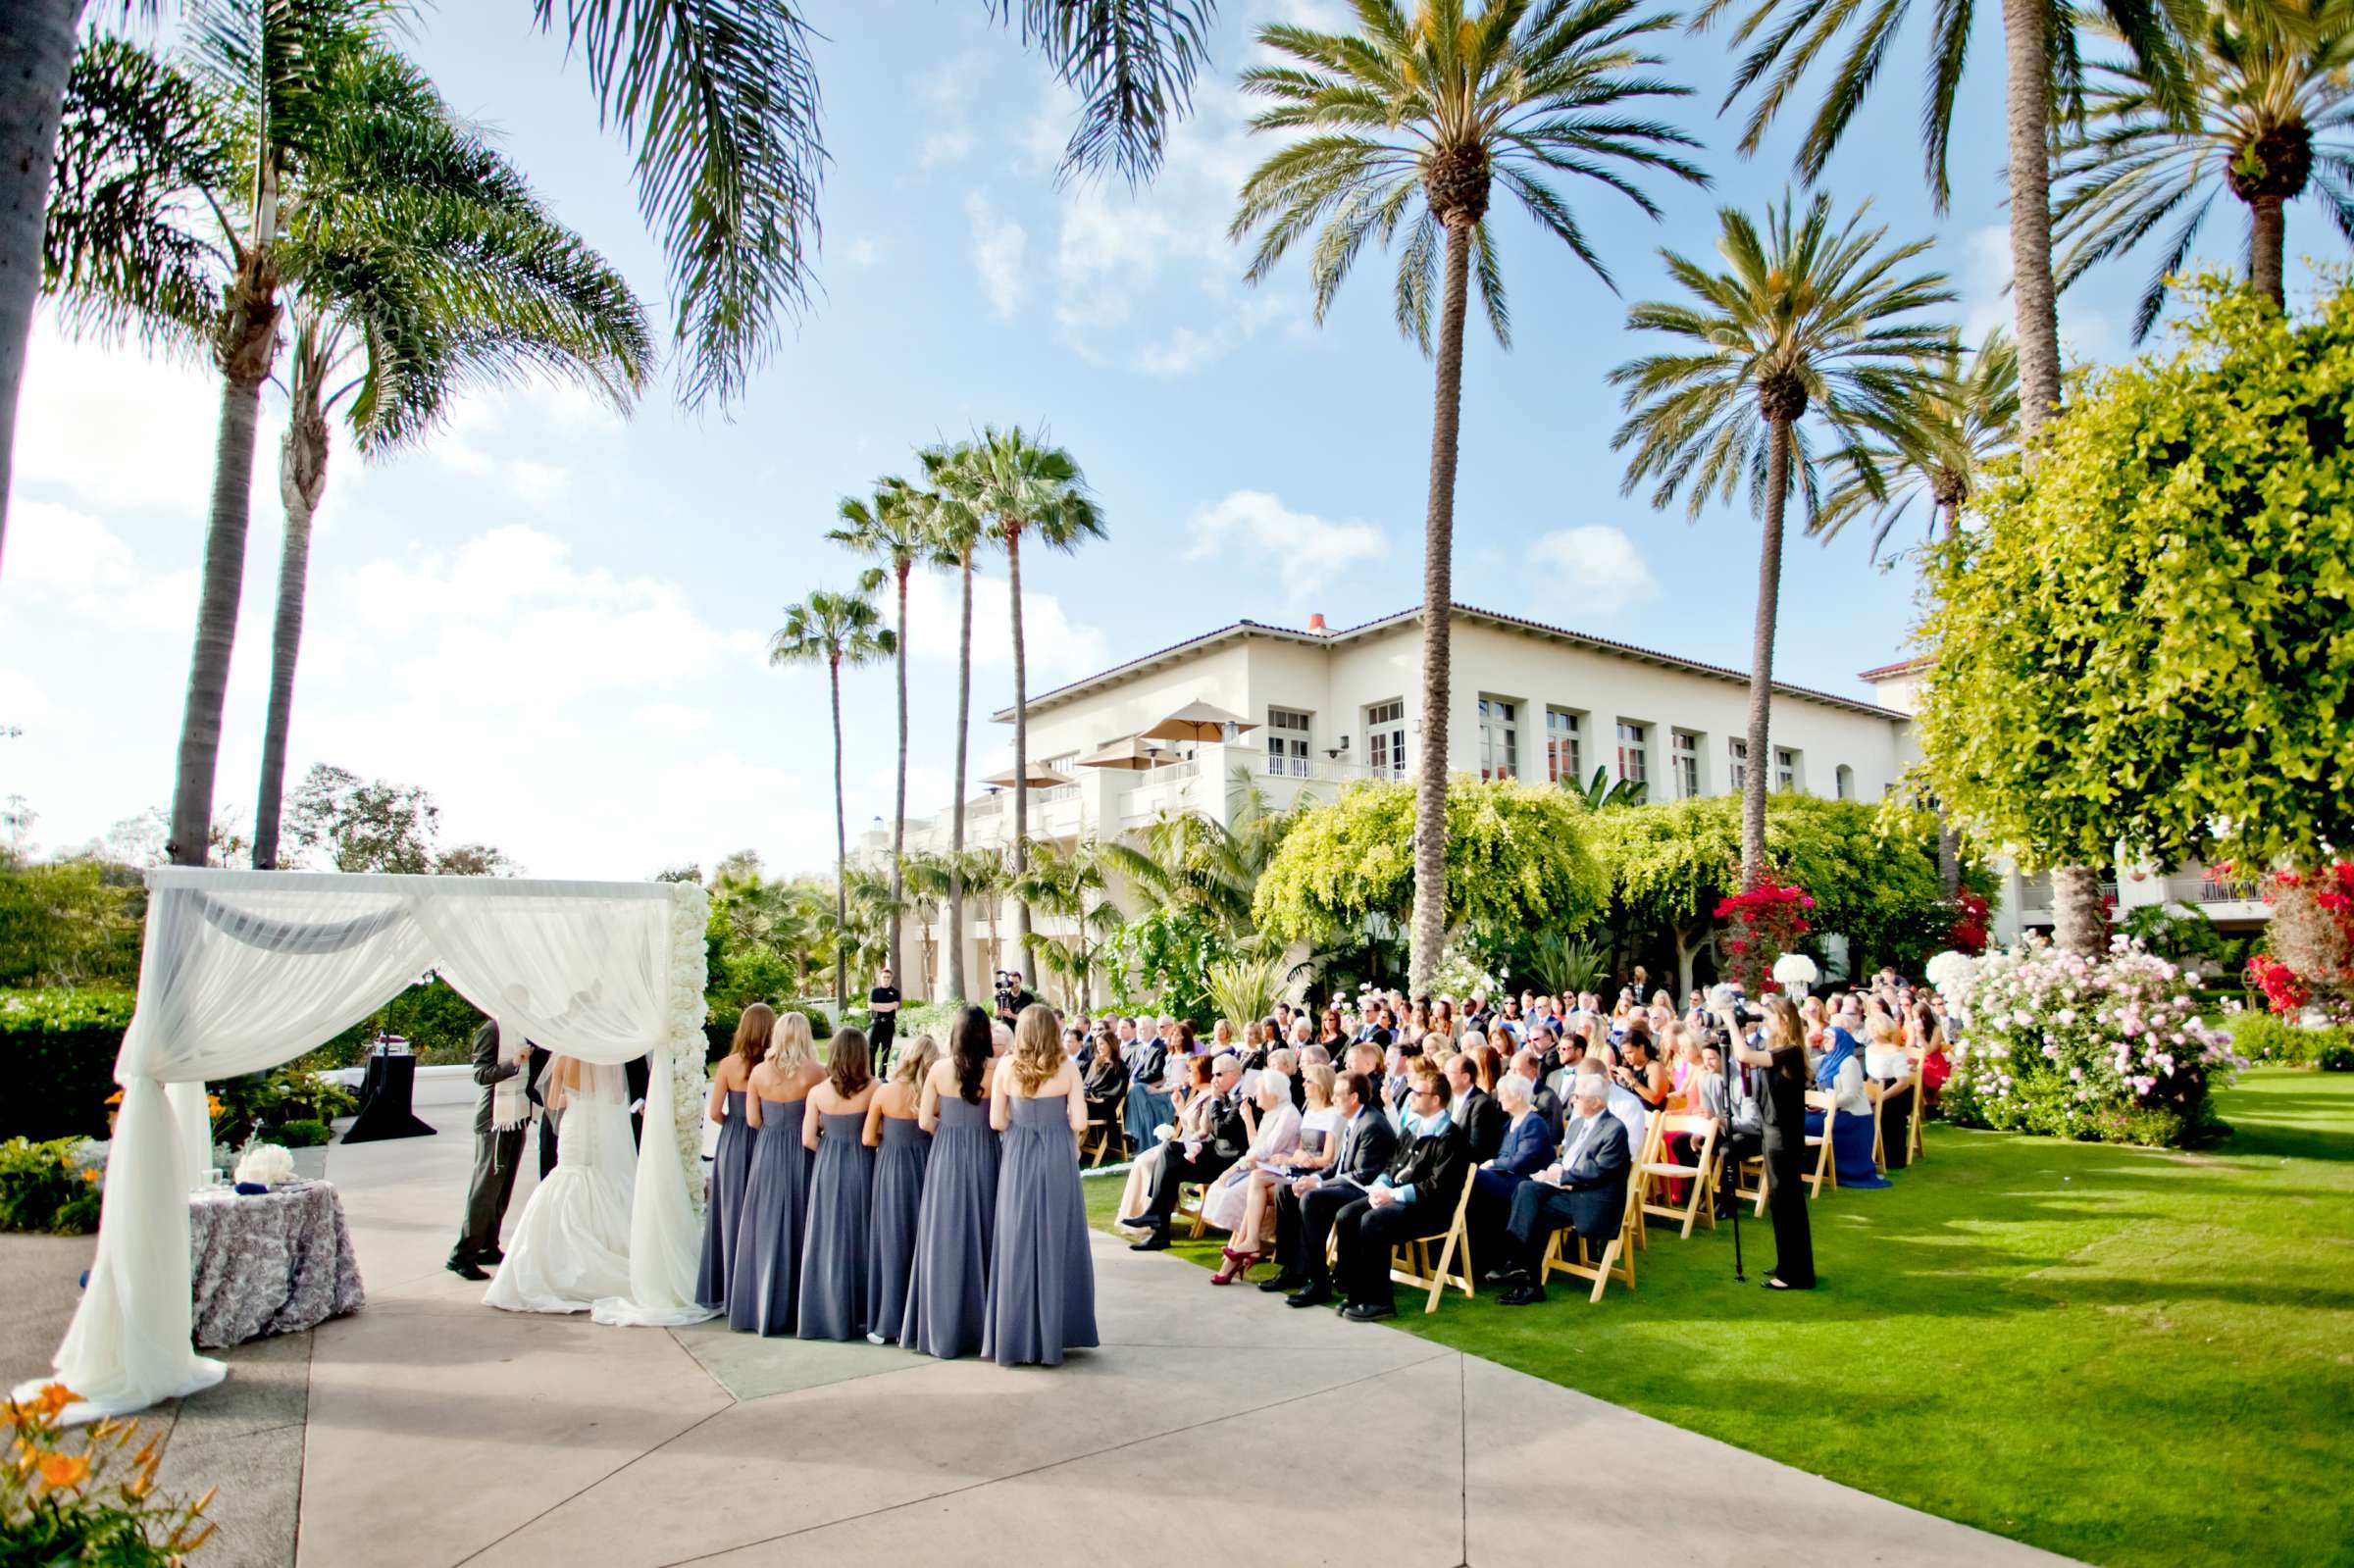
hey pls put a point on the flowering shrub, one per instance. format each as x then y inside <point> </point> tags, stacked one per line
<point>51,1187</point>
<point>1460,975</point>
<point>86,1499</point>
<point>2111,1049</point>
<point>2309,961</point>
<point>1768,920</point>
<point>1969,935</point>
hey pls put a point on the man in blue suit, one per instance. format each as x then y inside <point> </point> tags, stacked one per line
<point>1585,1193</point>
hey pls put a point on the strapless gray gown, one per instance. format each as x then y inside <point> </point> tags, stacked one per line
<point>722,1208</point>
<point>947,1283</point>
<point>891,1222</point>
<point>834,1305</point>
<point>764,1268</point>
<point>1041,1277</point>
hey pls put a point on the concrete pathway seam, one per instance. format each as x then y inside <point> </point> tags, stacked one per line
<point>594,1485</point>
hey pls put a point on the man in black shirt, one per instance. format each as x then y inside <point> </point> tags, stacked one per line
<point>883,1020</point>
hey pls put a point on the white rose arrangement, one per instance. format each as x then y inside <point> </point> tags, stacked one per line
<point>690,916</point>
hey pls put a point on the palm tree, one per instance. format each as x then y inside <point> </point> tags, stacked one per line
<point>1967,416</point>
<point>1193,862</point>
<point>892,526</point>
<point>1069,885</point>
<point>834,630</point>
<point>1023,488</point>
<point>2272,106</point>
<point>1809,319</point>
<point>719,98</point>
<point>956,531</point>
<point>1410,123</point>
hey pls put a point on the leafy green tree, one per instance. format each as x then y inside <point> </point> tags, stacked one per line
<point>363,823</point>
<point>2147,642</point>
<point>834,630</point>
<point>1966,416</point>
<point>1808,322</point>
<point>69,922</point>
<point>1021,488</point>
<point>2272,105</point>
<point>1069,885</point>
<point>1411,122</point>
<point>1517,857</point>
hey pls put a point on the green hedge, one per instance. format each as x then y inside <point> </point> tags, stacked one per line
<point>720,1027</point>
<point>2269,1037</point>
<point>56,1060</point>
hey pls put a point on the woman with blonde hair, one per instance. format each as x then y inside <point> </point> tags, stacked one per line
<point>764,1273</point>
<point>1226,1201</point>
<point>1042,1283</point>
<point>902,1146</point>
<point>731,1161</point>
<point>947,1282</point>
<point>834,1302</point>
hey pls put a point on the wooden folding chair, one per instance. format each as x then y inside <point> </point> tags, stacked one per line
<point>1827,1169</point>
<point>1191,1195</point>
<point>1105,1132</point>
<point>1920,1112</point>
<point>1881,1093</point>
<point>1653,1131</point>
<point>1618,1255</point>
<point>1660,1168</point>
<point>1412,1262</point>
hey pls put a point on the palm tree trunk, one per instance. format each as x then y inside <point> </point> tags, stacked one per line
<point>1021,757</point>
<point>2268,234</point>
<point>2079,922</point>
<point>898,814</point>
<point>842,856</point>
<point>1758,772</point>
<point>36,52</point>
<point>1438,607</point>
<point>964,707</point>
<point>301,479</point>
<point>2027,58</point>
<point>223,584</point>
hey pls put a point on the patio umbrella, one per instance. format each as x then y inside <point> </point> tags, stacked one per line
<point>1197,721</point>
<point>1130,753</point>
<point>1040,778</point>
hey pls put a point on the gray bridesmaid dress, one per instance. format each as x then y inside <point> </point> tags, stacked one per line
<point>891,1222</point>
<point>1041,1277</point>
<point>834,1305</point>
<point>722,1208</point>
<point>947,1283</point>
<point>764,1269</point>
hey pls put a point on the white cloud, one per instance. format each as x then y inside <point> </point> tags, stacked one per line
<point>2085,332</point>
<point>117,429</point>
<point>863,252</point>
<point>1309,552</point>
<point>1053,642</point>
<point>21,699</point>
<point>673,718</point>
<point>998,246</point>
<point>1600,566</point>
<point>943,148</point>
<point>60,547</point>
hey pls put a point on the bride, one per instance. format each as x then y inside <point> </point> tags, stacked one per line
<point>572,1246</point>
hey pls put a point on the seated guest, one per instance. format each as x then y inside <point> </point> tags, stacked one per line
<point>1681,1042</point>
<point>1586,1192</point>
<point>1925,1040</point>
<point>1415,1195</point>
<point>1104,1081</point>
<point>1840,1074</point>
<point>1306,1206</point>
<point>1639,1069</point>
<point>1527,1148</point>
<point>1194,1104</point>
<point>1284,1063</point>
<point>1528,1065</point>
<point>1473,1109</point>
<point>1226,1202</point>
<point>1150,1101</point>
<point>1329,1033</point>
<point>1220,1136</point>
<point>1886,1064</point>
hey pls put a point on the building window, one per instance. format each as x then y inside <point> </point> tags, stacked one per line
<point>1288,738</point>
<point>1738,749</point>
<point>1845,780</point>
<point>1633,764</point>
<point>1565,752</point>
<point>1498,738</point>
<point>1068,765</point>
<point>1684,749</point>
<point>1385,740</point>
<point>1785,768</point>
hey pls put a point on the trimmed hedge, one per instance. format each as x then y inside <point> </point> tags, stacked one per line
<point>56,1060</point>
<point>2269,1037</point>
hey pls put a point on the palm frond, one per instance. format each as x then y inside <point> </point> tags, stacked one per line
<point>1132,64</point>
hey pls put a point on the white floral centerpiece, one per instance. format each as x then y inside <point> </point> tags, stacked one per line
<point>689,917</point>
<point>1950,973</point>
<point>1461,976</point>
<point>265,1165</point>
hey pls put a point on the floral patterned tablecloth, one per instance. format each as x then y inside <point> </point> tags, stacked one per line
<point>273,1262</point>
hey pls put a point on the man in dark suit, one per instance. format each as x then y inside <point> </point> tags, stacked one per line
<point>1473,1109</point>
<point>1586,1192</point>
<point>495,1153</point>
<point>634,1073</point>
<point>1227,1139</point>
<point>551,1122</point>
<point>1306,1208</point>
<point>1415,1195</point>
<point>1529,1063</point>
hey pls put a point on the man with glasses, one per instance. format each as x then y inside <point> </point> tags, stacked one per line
<point>1415,1196</point>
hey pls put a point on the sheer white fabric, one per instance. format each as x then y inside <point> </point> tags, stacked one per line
<point>245,970</point>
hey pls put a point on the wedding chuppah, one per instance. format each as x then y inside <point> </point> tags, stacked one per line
<point>243,971</point>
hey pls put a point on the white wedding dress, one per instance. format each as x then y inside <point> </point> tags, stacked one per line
<point>570,1248</point>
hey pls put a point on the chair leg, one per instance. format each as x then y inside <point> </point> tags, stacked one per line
<point>1601,1269</point>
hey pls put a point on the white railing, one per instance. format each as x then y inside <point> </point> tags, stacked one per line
<point>2208,887</point>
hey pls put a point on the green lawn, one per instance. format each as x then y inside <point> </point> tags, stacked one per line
<point>2124,1356</point>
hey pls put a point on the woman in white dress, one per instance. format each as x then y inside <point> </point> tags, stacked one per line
<point>572,1247</point>
<point>1225,1201</point>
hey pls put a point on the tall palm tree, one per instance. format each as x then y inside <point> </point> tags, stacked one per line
<point>1810,322</point>
<point>834,630</point>
<point>1967,416</point>
<point>1020,490</point>
<point>892,526</point>
<point>1069,885</point>
<point>718,98</point>
<point>2271,118</point>
<point>955,531</point>
<point>1412,122</point>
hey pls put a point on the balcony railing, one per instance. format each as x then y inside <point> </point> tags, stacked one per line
<point>2209,887</point>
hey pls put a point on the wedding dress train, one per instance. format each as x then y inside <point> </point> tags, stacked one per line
<point>571,1247</point>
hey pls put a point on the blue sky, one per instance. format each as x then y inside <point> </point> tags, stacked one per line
<point>554,619</point>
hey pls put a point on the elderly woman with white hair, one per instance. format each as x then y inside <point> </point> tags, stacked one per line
<point>1225,1201</point>
<point>1527,1148</point>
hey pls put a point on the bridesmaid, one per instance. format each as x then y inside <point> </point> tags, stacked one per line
<point>1042,1283</point>
<point>902,1144</point>
<point>731,1161</point>
<point>764,1275</point>
<point>834,1305</point>
<point>948,1283</point>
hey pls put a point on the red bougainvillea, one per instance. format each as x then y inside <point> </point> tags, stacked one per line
<point>1969,935</point>
<point>2310,956</point>
<point>1768,920</point>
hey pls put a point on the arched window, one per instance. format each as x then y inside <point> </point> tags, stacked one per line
<point>1845,778</point>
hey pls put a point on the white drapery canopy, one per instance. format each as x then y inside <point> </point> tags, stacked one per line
<point>245,970</point>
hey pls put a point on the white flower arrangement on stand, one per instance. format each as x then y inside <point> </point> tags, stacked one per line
<point>266,1165</point>
<point>690,916</point>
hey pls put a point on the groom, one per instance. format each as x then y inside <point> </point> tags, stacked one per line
<point>496,1149</point>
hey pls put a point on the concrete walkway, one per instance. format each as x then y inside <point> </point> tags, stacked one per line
<point>1213,1428</point>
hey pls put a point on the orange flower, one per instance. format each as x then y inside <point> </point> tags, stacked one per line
<point>60,1470</point>
<point>89,1175</point>
<point>212,1103</point>
<point>53,1397</point>
<point>115,1098</point>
